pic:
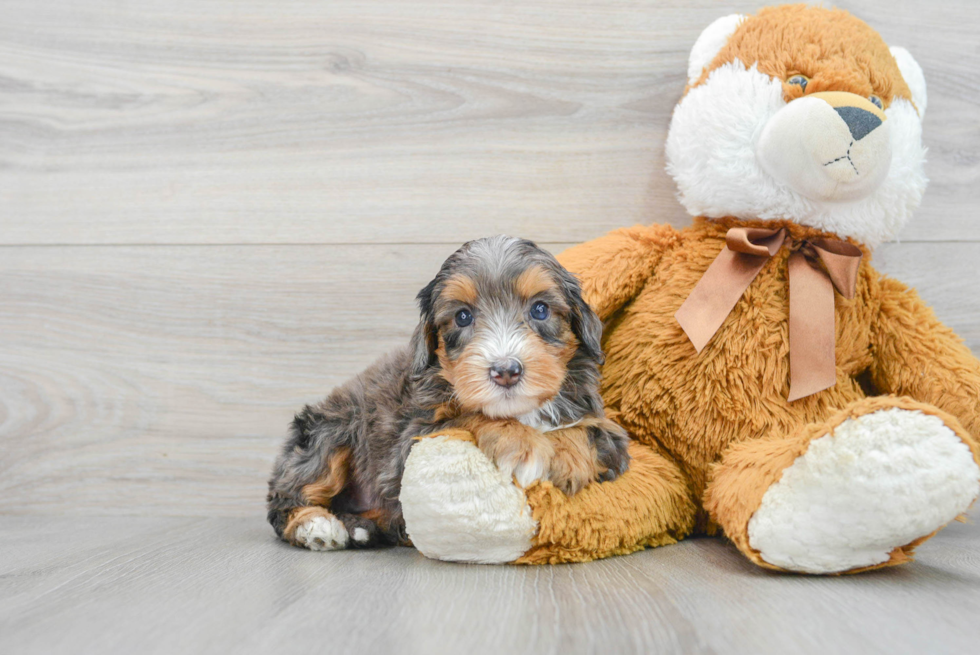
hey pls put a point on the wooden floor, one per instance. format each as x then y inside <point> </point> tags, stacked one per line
<point>200,585</point>
<point>213,212</point>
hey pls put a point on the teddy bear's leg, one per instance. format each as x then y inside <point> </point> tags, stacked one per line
<point>858,491</point>
<point>458,506</point>
<point>649,505</point>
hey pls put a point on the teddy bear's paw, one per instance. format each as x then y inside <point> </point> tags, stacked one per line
<point>458,506</point>
<point>877,483</point>
<point>322,533</point>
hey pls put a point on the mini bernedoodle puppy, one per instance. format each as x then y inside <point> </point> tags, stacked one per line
<point>507,349</point>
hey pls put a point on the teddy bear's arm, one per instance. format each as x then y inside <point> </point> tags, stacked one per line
<point>613,268</point>
<point>916,355</point>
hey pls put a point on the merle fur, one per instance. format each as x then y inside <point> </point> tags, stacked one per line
<point>378,413</point>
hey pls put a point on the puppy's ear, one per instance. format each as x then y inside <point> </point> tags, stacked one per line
<point>425,340</point>
<point>585,322</point>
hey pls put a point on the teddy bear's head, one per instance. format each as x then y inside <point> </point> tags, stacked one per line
<point>800,113</point>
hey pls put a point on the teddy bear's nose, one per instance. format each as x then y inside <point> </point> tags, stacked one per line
<point>859,121</point>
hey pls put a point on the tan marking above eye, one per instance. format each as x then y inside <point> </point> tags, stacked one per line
<point>461,289</point>
<point>533,281</point>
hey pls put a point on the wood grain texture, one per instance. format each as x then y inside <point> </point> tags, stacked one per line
<point>213,212</point>
<point>160,379</point>
<point>169,585</point>
<point>391,122</point>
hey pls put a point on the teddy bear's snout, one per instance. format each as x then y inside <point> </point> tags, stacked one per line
<point>827,146</point>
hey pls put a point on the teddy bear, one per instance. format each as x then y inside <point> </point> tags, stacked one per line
<point>779,390</point>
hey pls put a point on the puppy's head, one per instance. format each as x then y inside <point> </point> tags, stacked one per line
<point>502,322</point>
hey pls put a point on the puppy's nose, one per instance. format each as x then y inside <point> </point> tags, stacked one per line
<point>506,373</point>
<point>859,121</point>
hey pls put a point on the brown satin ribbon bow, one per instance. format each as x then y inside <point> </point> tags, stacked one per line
<point>812,367</point>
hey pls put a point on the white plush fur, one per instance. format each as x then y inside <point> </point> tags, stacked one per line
<point>912,73</point>
<point>711,154</point>
<point>709,43</point>
<point>876,483</point>
<point>458,506</point>
<point>322,533</point>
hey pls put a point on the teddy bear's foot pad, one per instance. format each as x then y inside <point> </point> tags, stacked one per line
<point>877,483</point>
<point>458,506</point>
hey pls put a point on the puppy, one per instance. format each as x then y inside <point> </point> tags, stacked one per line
<point>507,349</point>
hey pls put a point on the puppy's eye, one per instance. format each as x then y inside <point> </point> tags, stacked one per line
<point>799,80</point>
<point>463,317</point>
<point>540,311</point>
<point>876,101</point>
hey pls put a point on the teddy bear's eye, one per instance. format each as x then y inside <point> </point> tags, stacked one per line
<point>876,101</point>
<point>799,80</point>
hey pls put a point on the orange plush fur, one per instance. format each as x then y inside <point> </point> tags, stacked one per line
<point>689,409</point>
<point>840,53</point>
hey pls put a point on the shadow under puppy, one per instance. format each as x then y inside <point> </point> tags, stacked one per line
<point>506,349</point>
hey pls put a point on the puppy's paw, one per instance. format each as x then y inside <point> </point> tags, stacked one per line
<point>322,533</point>
<point>530,469</point>
<point>574,465</point>
<point>611,445</point>
<point>518,451</point>
<point>526,463</point>
<point>363,533</point>
<point>570,480</point>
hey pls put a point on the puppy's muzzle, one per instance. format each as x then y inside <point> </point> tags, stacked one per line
<point>506,373</point>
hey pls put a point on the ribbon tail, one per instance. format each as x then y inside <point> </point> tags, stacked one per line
<point>812,364</point>
<point>716,294</point>
<point>842,261</point>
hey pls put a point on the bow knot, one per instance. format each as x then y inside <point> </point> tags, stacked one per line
<point>816,268</point>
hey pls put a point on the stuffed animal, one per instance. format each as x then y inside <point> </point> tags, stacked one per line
<point>779,389</point>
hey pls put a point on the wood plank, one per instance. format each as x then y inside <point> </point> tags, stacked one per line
<point>148,380</point>
<point>134,379</point>
<point>119,585</point>
<point>428,122</point>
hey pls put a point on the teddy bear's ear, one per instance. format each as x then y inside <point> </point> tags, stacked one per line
<point>912,73</point>
<point>712,40</point>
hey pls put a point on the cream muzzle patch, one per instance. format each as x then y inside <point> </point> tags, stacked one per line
<point>829,146</point>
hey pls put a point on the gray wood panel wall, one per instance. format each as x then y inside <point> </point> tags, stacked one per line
<point>213,212</point>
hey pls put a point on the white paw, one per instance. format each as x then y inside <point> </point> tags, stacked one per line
<point>322,533</point>
<point>458,506</point>
<point>526,471</point>
<point>361,535</point>
<point>880,481</point>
